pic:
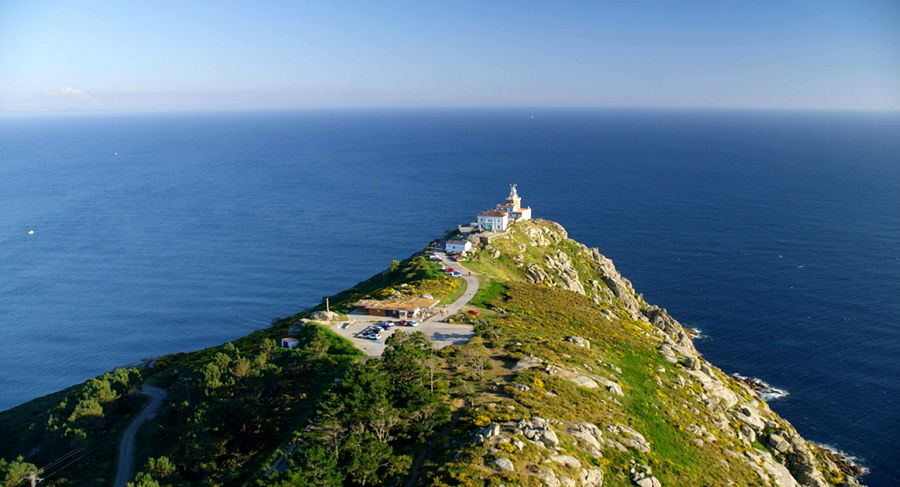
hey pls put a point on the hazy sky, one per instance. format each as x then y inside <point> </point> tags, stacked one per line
<point>188,55</point>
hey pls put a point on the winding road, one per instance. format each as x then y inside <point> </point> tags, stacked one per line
<point>125,469</point>
<point>471,288</point>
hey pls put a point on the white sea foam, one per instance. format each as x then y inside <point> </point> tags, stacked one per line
<point>857,461</point>
<point>766,391</point>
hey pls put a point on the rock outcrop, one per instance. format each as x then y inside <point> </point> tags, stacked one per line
<point>734,411</point>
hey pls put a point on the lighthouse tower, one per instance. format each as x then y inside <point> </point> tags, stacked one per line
<point>513,206</point>
<point>514,200</point>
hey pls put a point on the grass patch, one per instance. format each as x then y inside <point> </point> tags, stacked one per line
<point>458,291</point>
<point>487,292</point>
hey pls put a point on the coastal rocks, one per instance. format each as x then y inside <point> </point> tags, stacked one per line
<point>802,462</point>
<point>716,391</point>
<point>680,339</point>
<point>504,465</point>
<point>778,443</point>
<point>762,389</point>
<point>579,341</point>
<point>620,287</point>
<point>769,470</point>
<point>692,363</point>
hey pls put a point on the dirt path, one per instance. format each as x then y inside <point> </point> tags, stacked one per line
<point>125,469</point>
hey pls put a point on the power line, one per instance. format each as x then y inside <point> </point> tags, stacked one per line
<point>60,459</point>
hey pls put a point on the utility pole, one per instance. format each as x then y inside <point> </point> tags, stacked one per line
<point>327,305</point>
<point>33,479</point>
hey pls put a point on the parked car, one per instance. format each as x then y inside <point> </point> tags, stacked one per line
<point>455,274</point>
<point>411,323</point>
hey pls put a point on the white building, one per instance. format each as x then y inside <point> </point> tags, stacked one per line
<point>493,221</point>
<point>498,220</point>
<point>461,246</point>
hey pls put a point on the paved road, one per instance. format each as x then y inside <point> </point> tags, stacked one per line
<point>471,288</point>
<point>125,470</point>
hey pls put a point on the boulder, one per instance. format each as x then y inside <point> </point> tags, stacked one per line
<point>584,381</point>
<point>549,438</point>
<point>667,353</point>
<point>611,386</point>
<point>778,442</point>
<point>628,438</point>
<point>527,363</point>
<point>504,465</point>
<point>588,436</point>
<point>325,316</point>
<point>591,477</point>
<point>567,460</point>
<point>579,341</point>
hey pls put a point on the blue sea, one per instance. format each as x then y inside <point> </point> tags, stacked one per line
<point>775,233</point>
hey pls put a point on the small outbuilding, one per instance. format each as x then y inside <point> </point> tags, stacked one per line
<point>461,246</point>
<point>289,342</point>
<point>398,308</point>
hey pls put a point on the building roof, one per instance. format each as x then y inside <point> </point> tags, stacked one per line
<point>458,242</point>
<point>396,304</point>
<point>493,213</point>
<point>289,339</point>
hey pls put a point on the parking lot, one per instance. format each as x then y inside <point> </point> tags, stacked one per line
<point>359,326</point>
<point>441,334</point>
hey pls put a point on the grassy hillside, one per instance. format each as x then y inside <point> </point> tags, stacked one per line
<point>571,379</point>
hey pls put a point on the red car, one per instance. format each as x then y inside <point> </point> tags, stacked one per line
<point>472,312</point>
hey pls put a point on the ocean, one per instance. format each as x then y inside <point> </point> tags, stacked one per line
<point>775,233</point>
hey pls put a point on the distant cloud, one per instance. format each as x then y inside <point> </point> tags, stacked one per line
<point>71,92</point>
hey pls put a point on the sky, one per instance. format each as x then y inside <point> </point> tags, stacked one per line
<point>224,55</point>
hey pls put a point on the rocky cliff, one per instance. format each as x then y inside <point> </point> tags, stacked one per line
<point>570,415</point>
